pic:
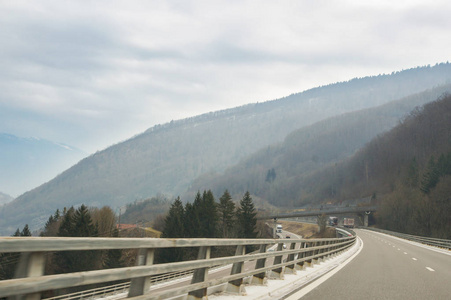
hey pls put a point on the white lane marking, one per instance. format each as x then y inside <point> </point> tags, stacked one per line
<point>432,248</point>
<point>399,249</point>
<point>393,246</point>
<point>405,252</point>
<point>430,269</point>
<point>308,288</point>
<point>414,258</point>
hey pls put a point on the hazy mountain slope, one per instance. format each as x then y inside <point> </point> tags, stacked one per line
<point>309,149</point>
<point>4,198</point>
<point>26,163</point>
<point>386,162</point>
<point>166,158</point>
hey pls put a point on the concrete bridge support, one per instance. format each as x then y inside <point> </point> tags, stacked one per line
<point>200,275</point>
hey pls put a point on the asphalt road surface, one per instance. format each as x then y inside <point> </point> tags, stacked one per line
<point>389,268</point>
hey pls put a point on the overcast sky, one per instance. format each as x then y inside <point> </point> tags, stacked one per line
<point>93,73</point>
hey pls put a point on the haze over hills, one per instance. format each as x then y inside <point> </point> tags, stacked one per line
<point>167,158</point>
<point>276,172</point>
<point>4,198</point>
<point>26,163</point>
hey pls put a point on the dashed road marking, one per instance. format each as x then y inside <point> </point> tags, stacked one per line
<point>405,252</point>
<point>399,249</point>
<point>430,269</point>
<point>414,258</point>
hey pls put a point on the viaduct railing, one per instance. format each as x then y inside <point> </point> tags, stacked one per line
<point>442,243</point>
<point>30,281</point>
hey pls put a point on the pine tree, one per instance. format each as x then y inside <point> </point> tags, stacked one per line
<point>77,224</point>
<point>25,231</point>
<point>173,228</point>
<point>191,222</point>
<point>247,221</point>
<point>67,226</point>
<point>208,215</point>
<point>226,209</point>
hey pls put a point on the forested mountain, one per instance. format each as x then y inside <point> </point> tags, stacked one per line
<point>277,172</point>
<point>26,163</point>
<point>407,171</point>
<point>167,158</point>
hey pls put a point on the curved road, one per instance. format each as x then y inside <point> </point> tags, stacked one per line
<point>389,268</point>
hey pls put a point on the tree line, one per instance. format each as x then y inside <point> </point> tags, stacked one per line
<point>203,218</point>
<point>206,218</point>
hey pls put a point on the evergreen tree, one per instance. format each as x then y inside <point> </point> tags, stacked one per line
<point>208,215</point>
<point>67,226</point>
<point>173,228</point>
<point>247,221</point>
<point>25,231</point>
<point>191,222</point>
<point>83,223</point>
<point>226,210</point>
<point>77,224</point>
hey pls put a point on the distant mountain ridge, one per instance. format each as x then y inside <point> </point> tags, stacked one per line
<point>275,172</point>
<point>4,198</point>
<point>26,163</point>
<point>167,158</point>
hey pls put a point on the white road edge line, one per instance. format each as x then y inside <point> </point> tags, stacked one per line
<point>308,288</point>
<point>430,269</point>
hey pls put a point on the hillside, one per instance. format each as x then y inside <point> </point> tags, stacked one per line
<point>4,198</point>
<point>276,172</point>
<point>386,160</point>
<point>29,162</point>
<point>407,171</point>
<point>167,158</point>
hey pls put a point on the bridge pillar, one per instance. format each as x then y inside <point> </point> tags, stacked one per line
<point>236,286</point>
<point>301,265</point>
<point>30,265</point>
<point>277,273</point>
<point>260,278</point>
<point>365,220</point>
<point>200,275</point>
<point>290,269</point>
<point>140,286</point>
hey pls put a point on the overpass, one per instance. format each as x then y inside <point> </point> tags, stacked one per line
<point>361,210</point>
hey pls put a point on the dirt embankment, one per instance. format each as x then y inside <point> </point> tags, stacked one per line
<point>306,230</point>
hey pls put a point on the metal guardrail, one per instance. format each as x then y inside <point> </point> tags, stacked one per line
<point>442,243</point>
<point>31,282</point>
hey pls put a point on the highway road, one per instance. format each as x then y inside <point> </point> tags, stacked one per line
<point>387,268</point>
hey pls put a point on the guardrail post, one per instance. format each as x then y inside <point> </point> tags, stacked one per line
<point>316,252</point>
<point>139,286</point>
<point>260,278</point>
<point>300,265</point>
<point>31,264</point>
<point>236,286</point>
<point>310,253</point>
<point>200,275</point>
<point>277,273</point>
<point>290,268</point>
